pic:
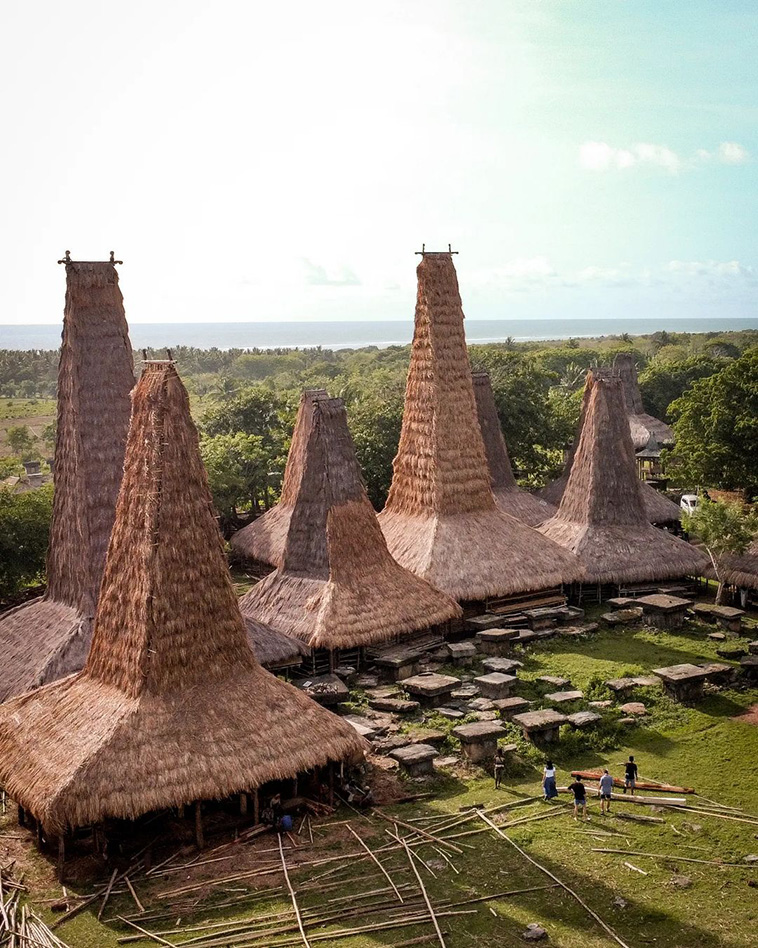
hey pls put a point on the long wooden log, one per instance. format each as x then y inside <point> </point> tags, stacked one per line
<point>292,894</point>
<point>563,885</point>
<point>675,858</point>
<point>424,893</point>
<point>381,867</point>
<point>639,784</point>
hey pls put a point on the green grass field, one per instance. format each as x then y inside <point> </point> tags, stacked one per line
<point>706,747</point>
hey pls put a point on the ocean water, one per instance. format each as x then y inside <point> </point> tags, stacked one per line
<point>357,334</point>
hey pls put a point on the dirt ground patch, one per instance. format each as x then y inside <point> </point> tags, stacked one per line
<point>749,715</point>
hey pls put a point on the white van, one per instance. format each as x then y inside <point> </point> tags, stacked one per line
<point>689,502</point>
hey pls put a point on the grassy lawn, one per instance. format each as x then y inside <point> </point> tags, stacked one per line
<point>706,747</point>
<point>36,413</point>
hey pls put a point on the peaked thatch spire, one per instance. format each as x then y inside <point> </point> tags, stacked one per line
<point>509,497</point>
<point>602,515</point>
<point>658,507</point>
<point>642,425</point>
<point>49,637</point>
<point>338,586</point>
<point>263,539</point>
<point>171,705</point>
<point>441,520</point>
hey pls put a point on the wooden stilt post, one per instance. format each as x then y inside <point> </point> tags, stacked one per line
<point>331,783</point>
<point>40,837</point>
<point>61,857</point>
<point>243,804</point>
<point>256,807</point>
<point>21,816</point>
<point>294,786</point>
<point>199,838</point>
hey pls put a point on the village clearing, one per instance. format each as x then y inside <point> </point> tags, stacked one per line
<point>678,897</point>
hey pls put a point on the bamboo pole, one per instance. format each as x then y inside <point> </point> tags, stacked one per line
<point>421,832</point>
<point>675,858</point>
<point>381,867</point>
<point>563,885</point>
<point>107,894</point>
<point>292,894</point>
<point>147,934</point>
<point>424,893</point>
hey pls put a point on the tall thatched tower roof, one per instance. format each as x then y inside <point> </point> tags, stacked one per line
<point>508,495</point>
<point>643,426</point>
<point>171,705</point>
<point>49,637</point>
<point>338,586</point>
<point>264,538</point>
<point>441,520</point>
<point>658,507</point>
<point>602,517</point>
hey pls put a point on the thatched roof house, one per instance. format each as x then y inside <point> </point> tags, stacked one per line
<point>642,425</point>
<point>509,497</point>
<point>338,586</point>
<point>739,571</point>
<point>49,637</point>
<point>601,517</point>
<point>171,706</point>
<point>659,509</point>
<point>441,521</point>
<point>273,649</point>
<point>263,539</point>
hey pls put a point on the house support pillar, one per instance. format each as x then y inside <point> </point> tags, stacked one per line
<point>199,837</point>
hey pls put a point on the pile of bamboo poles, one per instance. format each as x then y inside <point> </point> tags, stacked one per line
<point>20,927</point>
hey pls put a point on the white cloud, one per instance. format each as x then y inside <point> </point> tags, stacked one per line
<point>712,269</point>
<point>317,275</point>
<point>731,153</point>
<point>600,156</point>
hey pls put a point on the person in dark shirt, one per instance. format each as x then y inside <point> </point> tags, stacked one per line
<point>499,767</point>
<point>580,798</point>
<point>630,779</point>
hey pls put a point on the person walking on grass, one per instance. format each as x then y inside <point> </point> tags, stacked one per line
<point>549,789</point>
<point>606,788</point>
<point>630,779</point>
<point>580,798</point>
<point>499,767</point>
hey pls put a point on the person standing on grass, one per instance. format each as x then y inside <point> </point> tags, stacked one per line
<point>630,780</point>
<point>499,767</point>
<point>606,788</point>
<point>580,798</point>
<point>549,789</point>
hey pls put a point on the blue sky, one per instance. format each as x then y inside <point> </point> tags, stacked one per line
<point>258,161</point>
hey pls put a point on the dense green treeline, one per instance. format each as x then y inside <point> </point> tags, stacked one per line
<point>245,403</point>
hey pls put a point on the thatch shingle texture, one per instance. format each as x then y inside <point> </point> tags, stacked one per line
<point>171,705</point>
<point>263,539</point>
<point>49,638</point>
<point>441,520</point>
<point>508,495</point>
<point>643,426</point>
<point>338,586</point>
<point>602,517</point>
<point>658,507</point>
<point>741,570</point>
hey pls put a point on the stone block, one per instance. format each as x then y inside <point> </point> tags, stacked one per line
<point>496,641</point>
<point>495,685</point>
<point>508,666</point>
<point>416,760</point>
<point>508,707</point>
<point>552,681</point>
<point>461,653</point>
<point>583,719</point>
<point>564,697</point>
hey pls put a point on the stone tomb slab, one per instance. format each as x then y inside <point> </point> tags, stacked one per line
<point>540,725</point>
<point>683,682</point>
<point>431,689</point>
<point>749,665</point>
<point>664,611</point>
<point>486,621</point>
<point>495,685</point>
<point>508,666</point>
<point>496,641</point>
<point>461,653</point>
<point>553,681</point>
<point>416,760</point>
<point>479,740</point>
<point>393,705</point>
<point>622,616</point>
<point>564,697</point>
<point>507,707</point>
<point>621,602</point>
<point>584,719</point>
